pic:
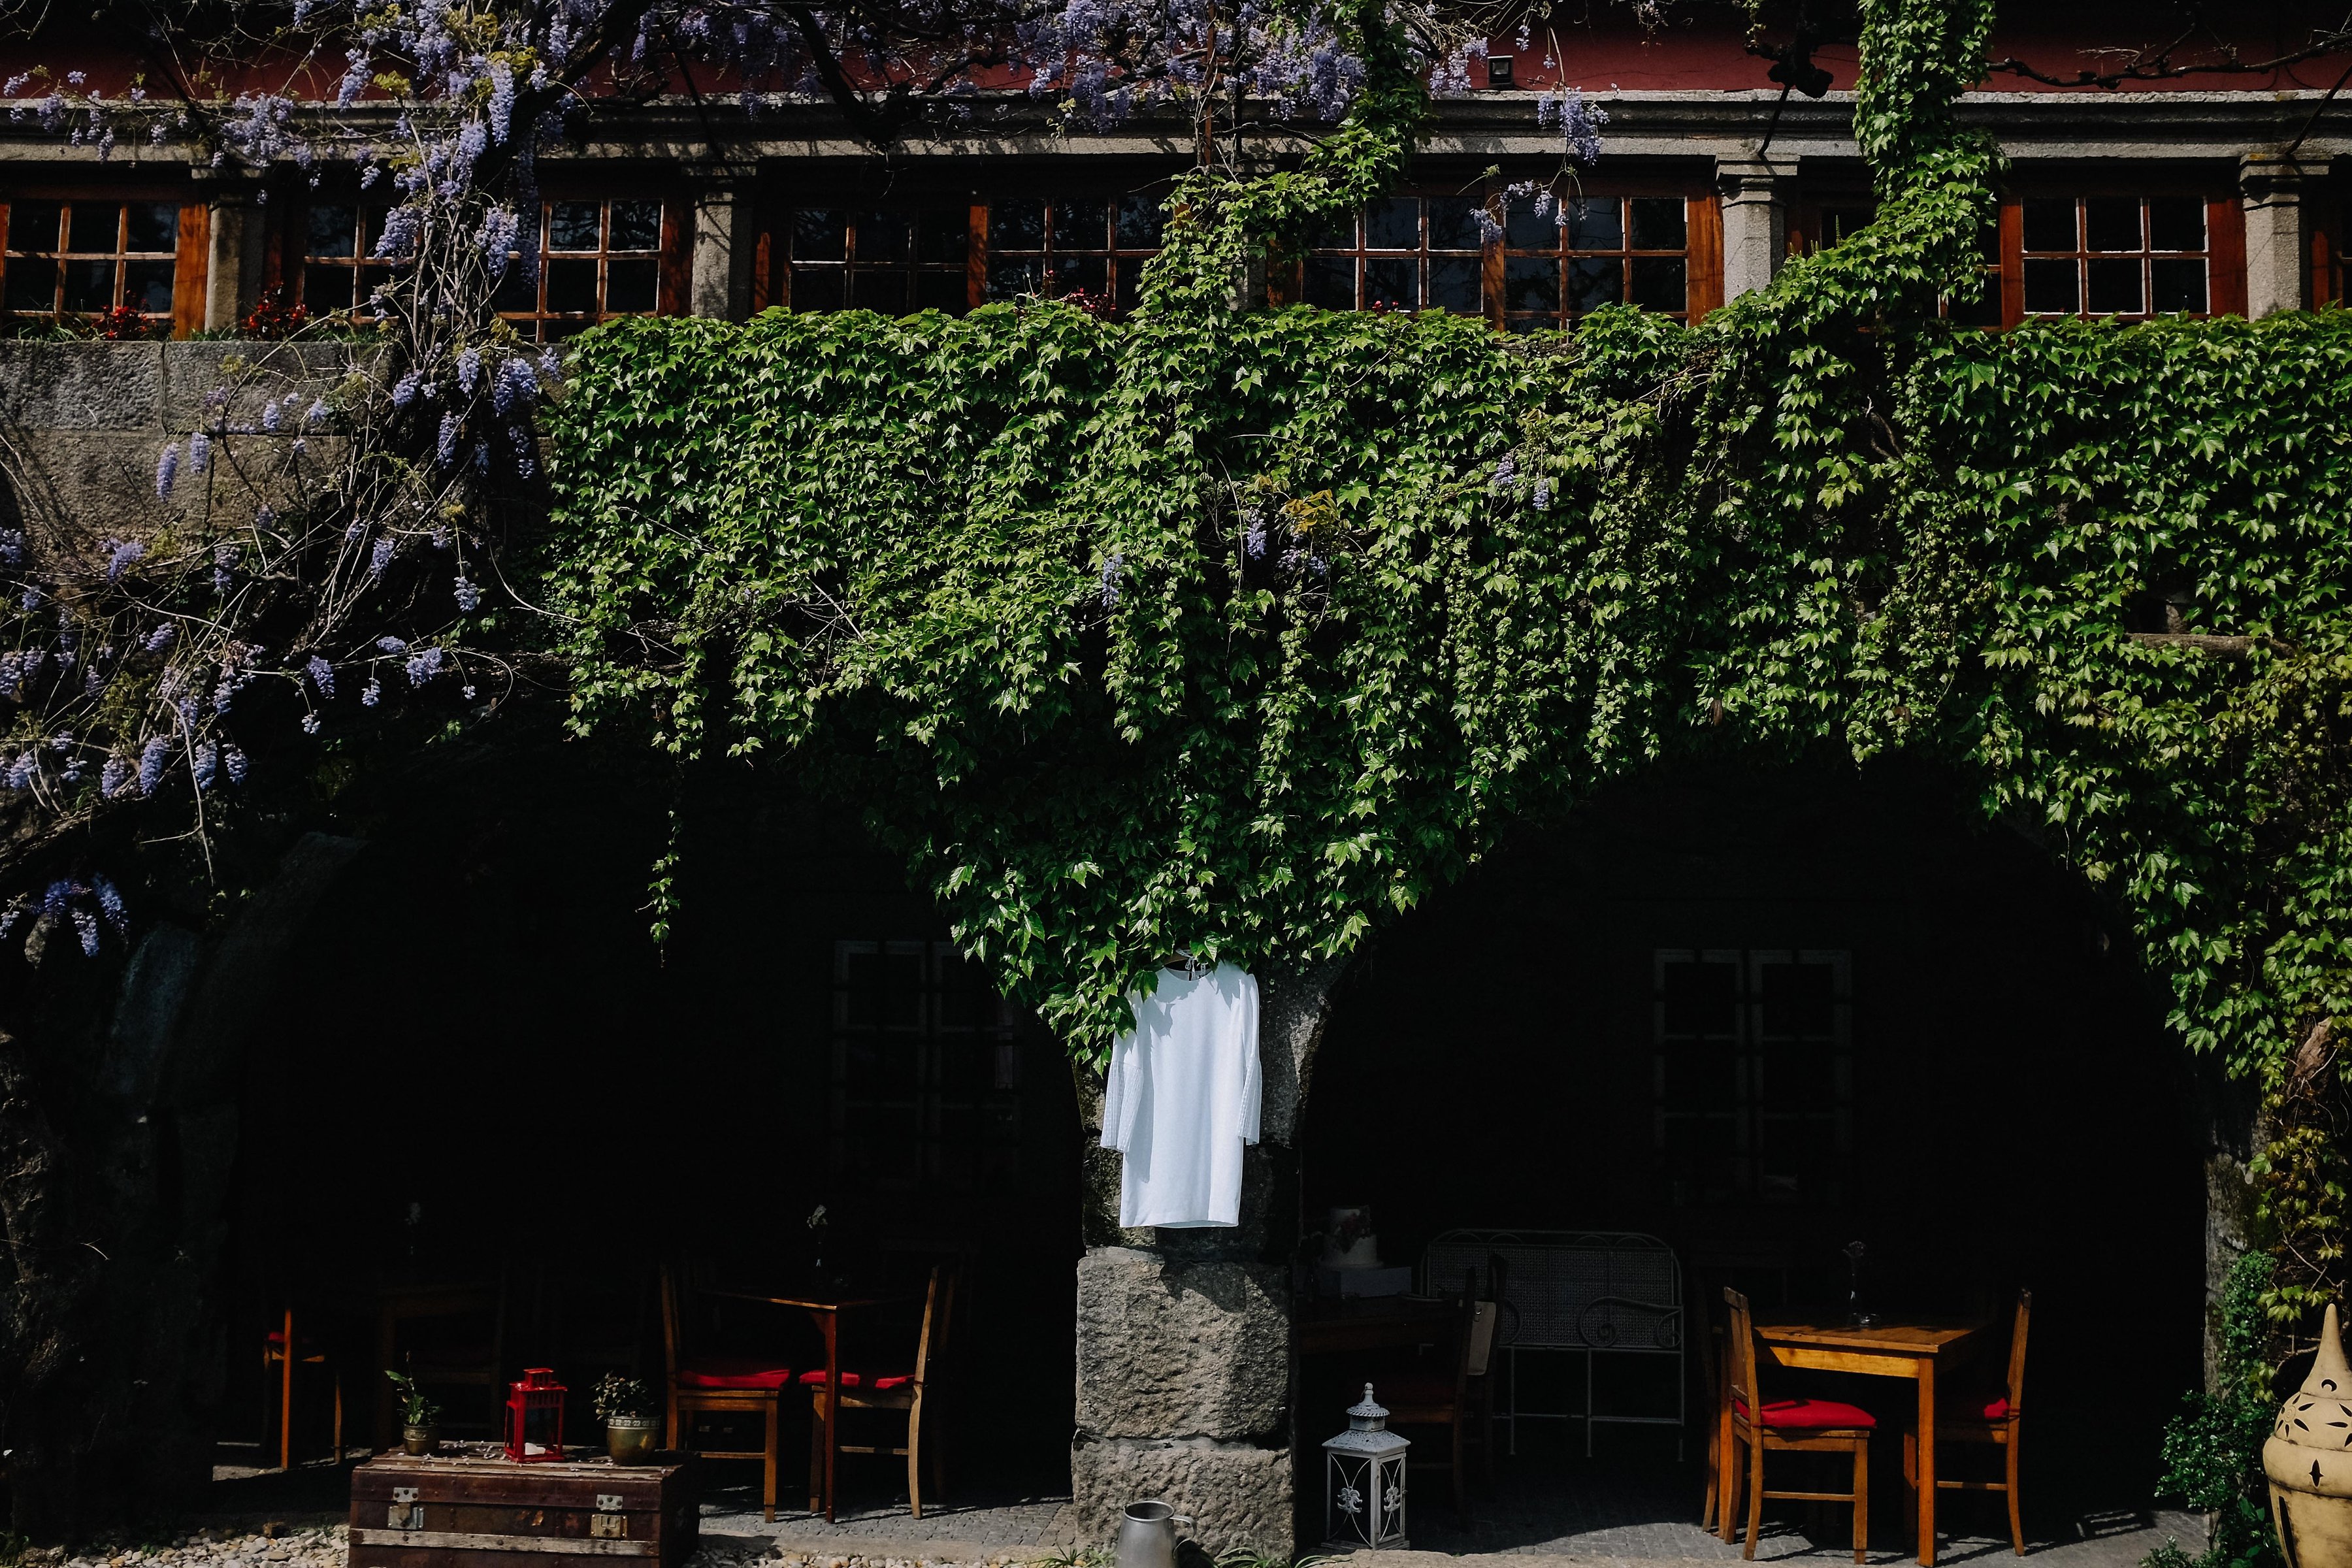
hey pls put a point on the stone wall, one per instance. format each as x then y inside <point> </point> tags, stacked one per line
<point>1184,1367</point>
<point>83,423</point>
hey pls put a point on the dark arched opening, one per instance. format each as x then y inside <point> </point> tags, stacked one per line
<point>1760,1015</point>
<point>482,1083</point>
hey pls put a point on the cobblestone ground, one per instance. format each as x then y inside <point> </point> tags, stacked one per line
<point>1591,1515</point>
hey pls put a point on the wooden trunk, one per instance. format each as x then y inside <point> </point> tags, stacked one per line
<point>494,1513</point>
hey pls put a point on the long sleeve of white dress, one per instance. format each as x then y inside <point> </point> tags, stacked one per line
<point>1183,1096</point>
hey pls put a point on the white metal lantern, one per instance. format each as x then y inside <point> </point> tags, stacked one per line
<point>1363,1501</point>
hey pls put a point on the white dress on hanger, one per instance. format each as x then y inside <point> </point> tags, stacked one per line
<point>1183,1097</point>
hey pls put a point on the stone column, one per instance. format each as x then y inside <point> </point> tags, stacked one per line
<point>2270,189</point>
<point>720,282</point>
<point>234,244</point>
<point>1756,197</point>
<point>1184,1365</point>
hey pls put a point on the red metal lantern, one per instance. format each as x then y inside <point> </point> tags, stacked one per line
<point>535,1416</point>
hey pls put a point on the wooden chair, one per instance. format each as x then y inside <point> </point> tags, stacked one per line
<point>281,1352</point>
<point>1986,1415</point>
<point>908,1393</point>
<point>1783,1426</point>
<point>446,1336</point>
<point>1449,1397</point>
<point>699,1383</point>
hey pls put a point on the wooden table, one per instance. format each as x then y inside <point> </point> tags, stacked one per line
<point>827,1305</point>
<point>1915,1350</point>
<point>1381,1323</point>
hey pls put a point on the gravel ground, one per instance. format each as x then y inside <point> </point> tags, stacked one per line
<point>325,1547</point>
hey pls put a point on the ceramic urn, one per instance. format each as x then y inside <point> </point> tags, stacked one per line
<point>2309,1462</point>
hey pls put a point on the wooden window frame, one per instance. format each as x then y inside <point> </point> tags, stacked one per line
<point>190,253</point>
<point>927,1114</point>
<point>1701,253</point>
<point>2224,253</point>
<point>1753,1112</point>
<point>672,258</point>
<point>775,247</point>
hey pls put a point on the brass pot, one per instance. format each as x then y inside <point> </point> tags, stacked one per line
<point>2306,1460</point>
<point>629,1439</point>
<point>418,1441</point>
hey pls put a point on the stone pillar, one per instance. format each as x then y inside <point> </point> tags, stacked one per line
<point>1756,197</point>
<point>2270,189</point>
<point>1184,1364</point>
<point>234,244</point>
<point>720,282</point>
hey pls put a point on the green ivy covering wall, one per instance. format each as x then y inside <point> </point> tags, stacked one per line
<point>1241,631</point>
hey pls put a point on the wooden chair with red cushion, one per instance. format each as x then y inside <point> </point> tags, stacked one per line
<point>1989,1415</point>
<point>705,1383</point>
<point>1783,1426</point>
<point>910,1392</point>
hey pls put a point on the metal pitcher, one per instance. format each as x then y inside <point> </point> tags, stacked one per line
<point>1146,1535</point>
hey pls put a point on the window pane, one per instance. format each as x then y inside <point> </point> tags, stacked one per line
<point>1658,225</point>
<point>816,289</point>
<point>517,290</point>
<point>1699,998</point>
<point>89,285</point>
<point>2115,288</point>
<point>2175,223</point>
<point>571,285</point>
<point>882,292</point>
<point>1454,283</point>
<point>1009,276</point>
<point>572,226</point>
<point>1530,283</point>
<point>1140,223</point>
<point>2050,225</point>
<point>33,226</point>
<point>333,231</point>
<point>154,227</point>
<point>1393,284</point>
<point>884,236</point>
<point>1394,224</point>
<point>1091,273</point>
<point>2050,287</point>
<point>2111,223</point>
<point>147,285</point>
<point>2178,284</point>
<point>1597,224</point>
<point>819,236</point>
<point>1595,281</point>
<point>1839,224</point>
<point>32,283</point>
<point>1338,231</point>
<point>1658,283</point>
<point>1453,224</point>
<point>636,225</point>
<point>326,288</point>
<point>92,226</point>
<point>943,235</point>
<point>1331,282</point>
<point>939,292</point>
<point>1526,229</point>
<point>1081,224</point>
<point>1016,226</point>
<point>632,285</point>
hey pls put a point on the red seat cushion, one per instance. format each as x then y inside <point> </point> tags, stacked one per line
<point>1811,1413</point>
<point>734,1372</point>
<point>881,1384</point>
<point>1994,1408</point>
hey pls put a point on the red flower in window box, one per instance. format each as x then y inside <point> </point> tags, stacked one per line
<point>276,318</point>
<point>123,324</point>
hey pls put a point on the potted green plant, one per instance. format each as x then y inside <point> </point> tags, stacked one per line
<point>627,1408</point>
<point>417,1415</point>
